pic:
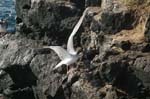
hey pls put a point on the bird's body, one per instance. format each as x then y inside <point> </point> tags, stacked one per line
<point>2,29</point>
<point>68,61</point>
<point>3,26</point>
<point>68,56</point>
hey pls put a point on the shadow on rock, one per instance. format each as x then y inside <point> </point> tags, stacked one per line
<point>22,76</point>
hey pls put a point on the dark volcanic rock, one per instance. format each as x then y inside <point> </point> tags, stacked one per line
<point>105,70</point>
<point>113,20</point>
<point>125,45</point>
<point>147,29</point>
<point>111,94</point>
<point>82,90</point>
<point>92,3</point>
<point>142,63</point>
<point>5,82</point>
<point>22,93</point>
<point>111,70</point>
<point>28,67</point>
<point>146,48</point>
<point>79,3</point>
<point>116,26</point>
<point>53,19</point>
<point>48,82</point>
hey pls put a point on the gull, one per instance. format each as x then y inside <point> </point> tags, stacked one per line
<point>3,26</point>
<point>69,56</point>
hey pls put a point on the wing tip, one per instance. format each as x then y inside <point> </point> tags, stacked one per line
<point>49,47</point>
<point>46,46</point>
<point>55,67</point>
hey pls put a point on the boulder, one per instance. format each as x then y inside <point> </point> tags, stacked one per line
<point>114,19</point>
<point>52,19</point>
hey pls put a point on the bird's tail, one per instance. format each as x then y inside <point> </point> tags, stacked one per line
<point>58,65</point>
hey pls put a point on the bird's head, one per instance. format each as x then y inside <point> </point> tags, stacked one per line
<point>79,52</point>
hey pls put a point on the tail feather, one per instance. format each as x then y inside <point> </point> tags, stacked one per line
<point>58,65</point>
<point>61,52</point>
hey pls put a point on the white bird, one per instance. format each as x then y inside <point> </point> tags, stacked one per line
<point>68,56</point>
<point>3,26</point>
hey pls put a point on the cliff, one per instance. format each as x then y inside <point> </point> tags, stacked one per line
<point>113,42</point>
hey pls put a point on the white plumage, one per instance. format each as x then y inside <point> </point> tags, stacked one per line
<point>3,26</point>
<point>68,56</point>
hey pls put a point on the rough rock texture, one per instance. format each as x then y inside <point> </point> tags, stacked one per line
<point>147,29</point>
<point>113,19</point>
<point>46,19</point>
<point>109,68</point>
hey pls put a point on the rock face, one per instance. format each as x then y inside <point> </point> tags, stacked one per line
<point>147,29</point>
<point>46,18</point>
<point>108,68</point>
<point>113,18</point>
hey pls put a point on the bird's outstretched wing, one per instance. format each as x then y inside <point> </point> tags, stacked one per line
<point>70,47</point>
<point>61,52</point>
<point>59,64</point>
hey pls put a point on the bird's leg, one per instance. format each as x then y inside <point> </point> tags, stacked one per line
<point>67,69</point>
<point>70,68</point>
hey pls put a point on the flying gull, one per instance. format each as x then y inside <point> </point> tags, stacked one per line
<point>68,56</point>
